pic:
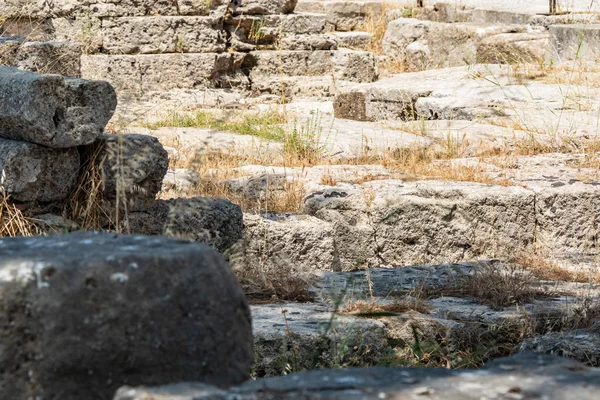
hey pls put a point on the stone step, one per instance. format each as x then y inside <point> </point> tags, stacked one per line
<point>149,35</point>
<point>394,223</point>
<point>471,93</point>
<point>109,8</point>
<point>352,40</point>
<point>255,30</point>
<point>571,43</point>
<point>542,376</point>
<point>343,64</point>
<point>350,15</point>
<point>135,75</point>
<point>518,6</point>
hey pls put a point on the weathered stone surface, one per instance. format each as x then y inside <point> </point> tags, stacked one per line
<point>352,15</point>
<point>106,8</point>
<point>133,167</point>
<point>60,58</point>
<point>34,173</point>
<point>451,93</point>
<point>396,223</point>
<point>526,374</point>
<point>148,35</point>
<point>215,222</point>
<point>51,110</point>
<point>265,6</point>
<point>487,16</point>
<point>566,204</point>
<point>441,12</point>
<point>574,42</point>
<point>263,29</point>
<point>304,337</point>
<point>137,75</point>
<point>582,345</point>
<point>513,48</point>
<point>305,241</point>
<point>101,310</point>
<point>9,46</point>
<point>307,42</point>
<point>176,391</point>
<point>429,45</point>
<point>352,40</point>
<point>344,64</point>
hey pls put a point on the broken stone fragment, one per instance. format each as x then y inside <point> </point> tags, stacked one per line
<point>35,173</point>
<point>86,313</point>
<point>52,110</point>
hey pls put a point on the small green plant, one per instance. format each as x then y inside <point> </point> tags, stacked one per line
<point>179,44</point>
<point>256,33</point>
<point>304,141</point>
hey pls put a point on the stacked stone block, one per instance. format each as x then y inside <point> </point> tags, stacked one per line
<point>43,121</point>
<point>252,46</point>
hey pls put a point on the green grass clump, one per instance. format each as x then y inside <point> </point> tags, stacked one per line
<point>267,125</point>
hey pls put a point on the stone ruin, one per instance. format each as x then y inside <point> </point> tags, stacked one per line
<point>88,315</point>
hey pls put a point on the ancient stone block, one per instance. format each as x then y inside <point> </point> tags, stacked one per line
<point>51,110</point>
<point>147,35</point>
<point>35,173</point>
<point>85,313</point>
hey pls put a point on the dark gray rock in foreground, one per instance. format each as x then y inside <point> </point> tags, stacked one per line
<point>524,376</point>
<point>36,173</point>
<point>51,110</point>
<point>86,313</point>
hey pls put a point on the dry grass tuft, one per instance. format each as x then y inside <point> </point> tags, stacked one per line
<point>372,308</point>
<point>84,206</point>
<point>551,270</point>
<point>270,280</point>
<point>13,222</point>
<point>496,285</point>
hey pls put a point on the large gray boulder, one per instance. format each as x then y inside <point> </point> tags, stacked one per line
<point>35,173</point>
<point>85,313</point>
<point>51,110</point>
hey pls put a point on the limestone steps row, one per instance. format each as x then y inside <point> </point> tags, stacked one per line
<point>138,74</point>
<point>111,8</point>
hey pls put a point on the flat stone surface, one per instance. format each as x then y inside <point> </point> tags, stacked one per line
<point>582,345</point>
<point>51,110</point>
<point>311,337</point>
<point>102,309</point>
<point>540,376</point>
